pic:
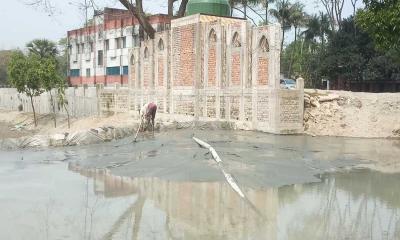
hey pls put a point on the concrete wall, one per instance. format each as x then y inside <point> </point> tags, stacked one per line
<point>81,101</point>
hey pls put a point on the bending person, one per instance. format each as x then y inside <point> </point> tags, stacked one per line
<point>148,113</point>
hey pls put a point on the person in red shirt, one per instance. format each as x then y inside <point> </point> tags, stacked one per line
<point>148,113</point>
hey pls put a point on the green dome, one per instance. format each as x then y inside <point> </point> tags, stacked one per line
<point>210,7</point>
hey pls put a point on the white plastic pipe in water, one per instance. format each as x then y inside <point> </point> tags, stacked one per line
<point>216,157</point>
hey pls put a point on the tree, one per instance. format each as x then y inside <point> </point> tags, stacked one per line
<point>352,57</point>
<point>135,8</point>
<point>47,52</point>
<point>266,6</point>
<point>297,18</point>
<point>282,15</point>
<point>43,48</point>
<point>243,5</point>
<point>62,57</point>
<point>62,100</point>
<point>25,73</point>
<point>5,56</point>
<point>381,20</point>
<point>317,26</point>
<point>50,80</point>
<point>334,9</point>
<point>137,11</point>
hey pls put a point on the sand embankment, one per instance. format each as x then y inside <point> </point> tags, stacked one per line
<point>352,114</point>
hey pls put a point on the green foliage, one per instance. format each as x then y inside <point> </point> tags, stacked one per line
<point>5,57</point>
<point>33,74</point>
<point>317,28</point>
<point>381,20</point>
<point>62,58</point>
<point>43,48</point>
<point>25,73</point>
<point>347,54</point>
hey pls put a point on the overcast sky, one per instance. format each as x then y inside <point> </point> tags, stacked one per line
<point>21,23</point>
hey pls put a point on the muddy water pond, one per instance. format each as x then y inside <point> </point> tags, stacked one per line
<point>166,187</point>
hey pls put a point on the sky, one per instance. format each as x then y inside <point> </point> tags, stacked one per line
<point>21,23</point>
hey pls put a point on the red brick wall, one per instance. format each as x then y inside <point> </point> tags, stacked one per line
<point>212,64</point>
<point>235,69</point>
<point>262,76</point>
<point>160,71</point>
<point>184,57</point>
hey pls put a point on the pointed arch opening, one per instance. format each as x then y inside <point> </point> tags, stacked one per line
<point>236,40</point>
<point>161,46</point>
<point>263,44</point>
<point>132,60</point>
<point>212,36</point>
<point>146,53</point>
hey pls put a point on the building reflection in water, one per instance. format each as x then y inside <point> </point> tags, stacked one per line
<point>333,209</point>
<point>196,210</point>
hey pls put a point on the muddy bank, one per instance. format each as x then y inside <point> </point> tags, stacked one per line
<point>255,159</point>
<point>352,114</point>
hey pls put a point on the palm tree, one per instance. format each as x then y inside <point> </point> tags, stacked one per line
<point>318,26</point>
<point>282,14</point>
<point>43,48</point>
<point>297,19</point>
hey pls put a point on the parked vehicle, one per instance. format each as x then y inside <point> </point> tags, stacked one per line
<point>288,83</point>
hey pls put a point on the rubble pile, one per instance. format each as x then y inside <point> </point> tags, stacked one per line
<point>340,113</point>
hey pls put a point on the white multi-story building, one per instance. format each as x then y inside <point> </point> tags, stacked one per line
<point>98,53</point>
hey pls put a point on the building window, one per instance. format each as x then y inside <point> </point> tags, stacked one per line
<point>91,47</point>
<point>78,48</point>
<point>123,42</point>
<point>107,44</point>
<point>87,72</point>
<point>100,57</point>
<point>83,48</point>
<point>117,43</point>
<point>74,73</point>
<point>113,71</point>
<point>70,49</point>
<point>125,70</point>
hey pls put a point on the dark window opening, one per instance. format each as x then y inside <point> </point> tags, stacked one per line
<point>74,73</point>
<point>100,58</point>
<point>113,71</point>
<point>125,70</point>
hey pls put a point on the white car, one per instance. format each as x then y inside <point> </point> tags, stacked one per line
<point>288,84</point>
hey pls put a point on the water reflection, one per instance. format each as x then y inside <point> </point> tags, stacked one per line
<point>357,205</point>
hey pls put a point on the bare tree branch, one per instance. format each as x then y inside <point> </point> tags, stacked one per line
<point>182,8</point>
<point>240,10</point>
